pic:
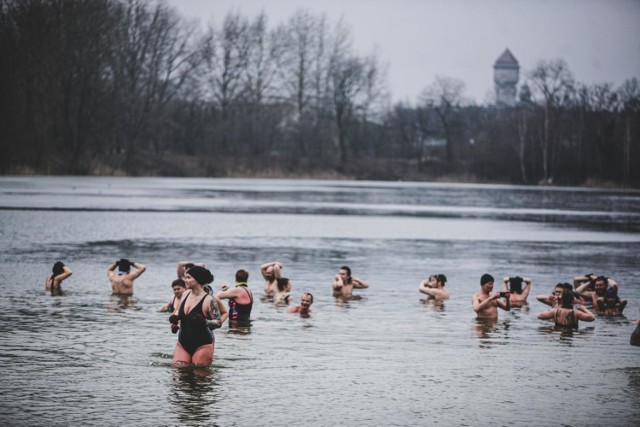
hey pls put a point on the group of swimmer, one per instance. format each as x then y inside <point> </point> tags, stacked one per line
<point>196,310</point>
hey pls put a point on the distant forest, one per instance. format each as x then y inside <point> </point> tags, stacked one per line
<point>130,87</point>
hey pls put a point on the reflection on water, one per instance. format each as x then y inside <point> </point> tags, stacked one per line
<point>195,394</point>
<point>368,358</point>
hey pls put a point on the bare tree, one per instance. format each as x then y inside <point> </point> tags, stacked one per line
<point>554,82</point>
<point>629,94</point>
<point>445,96</point>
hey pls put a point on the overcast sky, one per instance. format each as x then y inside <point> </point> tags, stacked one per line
<point>419,39</point>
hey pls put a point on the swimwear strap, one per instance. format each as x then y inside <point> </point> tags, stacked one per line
<point>241,284</point>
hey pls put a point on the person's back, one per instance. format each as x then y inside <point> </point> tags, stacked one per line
<point>122,282</point>
<point>59,273</point>
<point>240,299</point>
<point>565,316</point>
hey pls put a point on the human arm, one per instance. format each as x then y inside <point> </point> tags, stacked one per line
<point>506,304</point>
<point>548,314</point>
<point>545,299</point>
<point>583,314</point>
<point>583,291</point>
<point>527,288</point>
<point>505,284</point>
<point>225,292</point>
<point>139,269</point>
<point>425,288</point>
<point>65,273</point>
<point>337,282</point>
<point>359,283</point>
<point>111,268</point>
<point>277,269</point>
<point>481,305</point>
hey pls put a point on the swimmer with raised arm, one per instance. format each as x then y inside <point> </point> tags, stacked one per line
<point>122,281</point>
<point>344,283</point>
<point>513,285</point>
<point>433,287</point>
<point>59,272</point>
<point>271,271</point>
<point>485,303</point>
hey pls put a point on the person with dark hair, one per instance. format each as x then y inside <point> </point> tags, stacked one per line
<point>122,281</point>
<point>596,288</point>
<point>183,266</point>
<point>283,295</point>
<point>433,287</point>
<point>304,308</point>
<point>59,272</point>
<point>519,294</point>
<point>609,304</point>
<point>344,283</point>
<point>178,286</point>
<point>486,304</point>
<point>240,300</point>
<point>554,299</point>
<point>271,271</point>
<point>565,315</point>
<point>635,335</point>
<point>195,318</point>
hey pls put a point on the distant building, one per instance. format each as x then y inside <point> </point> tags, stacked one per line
<point>506,72</point>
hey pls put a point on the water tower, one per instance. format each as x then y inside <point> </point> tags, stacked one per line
<point>505,76</point>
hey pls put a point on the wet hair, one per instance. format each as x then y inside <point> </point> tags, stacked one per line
<point>566,285</point>
<point>242,276</point>
<point>58,268</point>
<point>486,278</point>
<point>310,295</point>
<point>347,269</point>
<point>515,284</point>
<point>178,282</point>
<point>567,298</point>
<point>441,278</point>
<point>282,282</point>
<point>200,274</point>
<point>601,278</point>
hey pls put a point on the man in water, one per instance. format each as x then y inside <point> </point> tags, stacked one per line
<point>344,283</point>
<point>609,304</point>
<point>486,304</point>
<point>433,287</point>
<point>305,305</point>
<point>271,271</point>
<point>596,288</point>
<point>240,299</point>
<point>122,281</point>
<point>554,300</point>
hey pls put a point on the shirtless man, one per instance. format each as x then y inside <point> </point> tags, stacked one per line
<point>610,304</point>
<point>122,281</point>
<point>433,287</point>
<point>513,285</point>
<point>554,299</point>
<point>271,271</point>
<point>486,304</point>
<point>344,284</point>
<point>600,285</point>
<point>58,274</point>
<point>305,305</point>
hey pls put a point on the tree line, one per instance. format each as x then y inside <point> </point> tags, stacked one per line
<point>132,87</point>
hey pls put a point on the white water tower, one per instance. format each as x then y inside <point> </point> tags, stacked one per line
<point>506,72</point>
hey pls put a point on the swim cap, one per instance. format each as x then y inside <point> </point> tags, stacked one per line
<point>201,274</point>
<point>486,278</point>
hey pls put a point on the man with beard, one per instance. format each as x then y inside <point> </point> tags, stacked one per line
<point>344,283</point>
<point>305,305</point>
<point>433,287</point>
<point>595,288</point>
<point>271,271</point>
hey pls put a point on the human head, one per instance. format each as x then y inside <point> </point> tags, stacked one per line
<point>486,279</point>
<point>306,300</point>
<point>178,287</point>
<point>441,278</point>
<point>600,285</point>
<point>515,284</point>
<point>200,274</point>
<point>557,291</point>
<point>345,273</point>
<point>611,297</point>
<point>567,298</point>
<point>124,266</point>
<point>269,273</point>
<point>283,282</point>
<point>242,276</point>
<point>58,268</point>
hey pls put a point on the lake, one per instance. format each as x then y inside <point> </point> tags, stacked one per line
<point>387,357</point>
